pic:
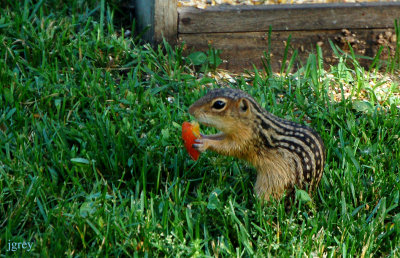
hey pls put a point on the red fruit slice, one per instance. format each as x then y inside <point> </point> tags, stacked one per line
<point>191,132</point>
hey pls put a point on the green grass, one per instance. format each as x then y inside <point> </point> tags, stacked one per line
<point>92,164</point>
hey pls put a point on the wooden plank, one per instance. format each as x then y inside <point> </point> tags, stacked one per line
<point>159,18</point>
<point>288,17</point>
<point>242,50</point>
<point>166,20</point>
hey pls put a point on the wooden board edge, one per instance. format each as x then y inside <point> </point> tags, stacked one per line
<point>165,21</point>
<point>288,17</point>
<point>243,50</point>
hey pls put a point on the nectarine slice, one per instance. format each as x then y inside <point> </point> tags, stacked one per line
<point>191,132</point>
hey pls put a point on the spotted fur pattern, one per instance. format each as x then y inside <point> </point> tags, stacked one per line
<point>284,153</point>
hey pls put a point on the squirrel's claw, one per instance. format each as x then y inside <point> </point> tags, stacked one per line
<point>199,145</point>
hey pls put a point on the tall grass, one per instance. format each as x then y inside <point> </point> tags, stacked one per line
<point>92,164</point>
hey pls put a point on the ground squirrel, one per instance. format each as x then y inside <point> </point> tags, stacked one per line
<point>285,154</point>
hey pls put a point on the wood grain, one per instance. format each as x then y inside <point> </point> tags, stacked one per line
<point>157,18</point>
<point>288,17</point>
<point>242,50</point>
<point>165,20</point>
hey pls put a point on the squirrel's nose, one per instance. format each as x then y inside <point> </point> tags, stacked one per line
<point>191,110</point>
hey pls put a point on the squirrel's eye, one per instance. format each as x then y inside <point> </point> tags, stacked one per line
<point>219,104</point>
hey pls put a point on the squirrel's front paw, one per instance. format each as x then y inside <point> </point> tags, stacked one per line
<point>200,145</point>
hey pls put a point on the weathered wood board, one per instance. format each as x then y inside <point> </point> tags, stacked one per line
<point>288,17</point>
<point>165,20</point>
<point>241,31</point>
<point>158,18</point>
<point>242,50</point>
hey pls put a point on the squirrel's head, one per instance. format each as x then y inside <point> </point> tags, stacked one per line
<point>228,110</point>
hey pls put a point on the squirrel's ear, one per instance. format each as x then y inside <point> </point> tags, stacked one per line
<point>243,105</point>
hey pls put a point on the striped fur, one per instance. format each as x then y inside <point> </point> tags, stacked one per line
<point>284,153</point>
